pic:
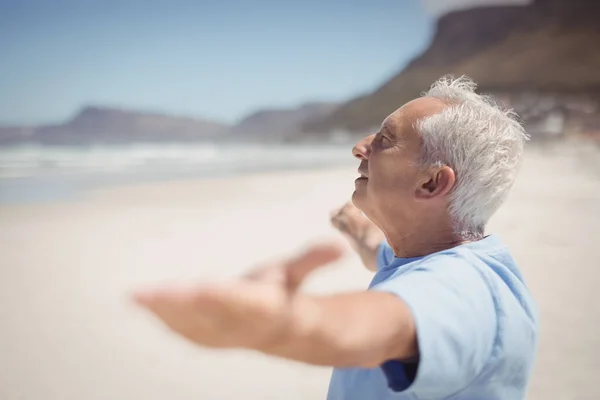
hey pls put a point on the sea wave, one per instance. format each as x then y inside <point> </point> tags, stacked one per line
<point>47,161</point>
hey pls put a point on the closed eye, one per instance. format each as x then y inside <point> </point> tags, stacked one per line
<point>379,137</point>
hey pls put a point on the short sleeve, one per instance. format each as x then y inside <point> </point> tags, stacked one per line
<point>385,255</point>
<point>456,322</point>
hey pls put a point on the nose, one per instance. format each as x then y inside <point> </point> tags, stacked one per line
<point>362,149</point>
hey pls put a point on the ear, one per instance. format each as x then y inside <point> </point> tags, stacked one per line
<point>438,183</point>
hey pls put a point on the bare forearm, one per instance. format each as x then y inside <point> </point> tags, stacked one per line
<point>366,247</point>
<point>349,330</point>
<point>367,250</point>
<point>362,233</point>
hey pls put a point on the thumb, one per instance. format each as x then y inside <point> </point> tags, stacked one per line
<point>299,267</point>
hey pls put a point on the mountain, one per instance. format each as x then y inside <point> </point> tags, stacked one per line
<point>278,124</point>
<point>543,60</point>
<point>110,125</point>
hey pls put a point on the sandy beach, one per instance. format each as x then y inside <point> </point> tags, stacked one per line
<point>70,331</point>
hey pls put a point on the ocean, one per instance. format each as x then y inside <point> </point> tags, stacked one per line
<point>34,173</point>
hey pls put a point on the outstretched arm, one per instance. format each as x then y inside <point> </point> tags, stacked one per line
<point>362,329</point>
<point>264,311</point>
<point>362,234</point>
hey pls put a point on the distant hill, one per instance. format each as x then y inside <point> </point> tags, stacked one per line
<point>110,125</point>
<point>543,60</point>
<point>278,124</point>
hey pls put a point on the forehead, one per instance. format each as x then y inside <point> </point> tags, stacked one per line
<point>402,121</point>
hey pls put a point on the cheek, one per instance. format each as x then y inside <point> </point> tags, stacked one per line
<point>389,189</point>
<point>390,178</point>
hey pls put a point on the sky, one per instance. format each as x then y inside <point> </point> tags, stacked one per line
<point>207,59</point>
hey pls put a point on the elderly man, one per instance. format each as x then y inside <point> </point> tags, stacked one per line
<point>447,315</point>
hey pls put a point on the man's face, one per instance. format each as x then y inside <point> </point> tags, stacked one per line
<point>389,169</point>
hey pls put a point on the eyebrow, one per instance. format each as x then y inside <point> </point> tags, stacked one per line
<point>387,126</point>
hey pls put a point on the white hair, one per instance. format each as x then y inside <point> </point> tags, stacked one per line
<point>481,142</point>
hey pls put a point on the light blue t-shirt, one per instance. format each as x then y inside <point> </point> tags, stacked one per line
<point>477,328</point>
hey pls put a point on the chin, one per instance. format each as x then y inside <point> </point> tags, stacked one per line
<point>358,199</point>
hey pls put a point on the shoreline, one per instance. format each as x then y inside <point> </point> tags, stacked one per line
<point>35,190</point>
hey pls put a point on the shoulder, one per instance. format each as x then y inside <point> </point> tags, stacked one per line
<point>455,319</point>
<point>445,283</point>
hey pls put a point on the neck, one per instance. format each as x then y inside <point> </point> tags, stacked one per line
<point>426,238</point>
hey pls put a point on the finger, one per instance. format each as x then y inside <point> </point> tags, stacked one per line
<point>348,208</point>
<point>339,221</point>
<point>334,217</point>
<point>339,217</point>
<point>340,210</point>
<point>298,268</point>
<point>271,272</point>
<point>335,212</point>
<point>184,309</point>
<point>277,272</point>
<point>147,297</point>
<point>168,295</point>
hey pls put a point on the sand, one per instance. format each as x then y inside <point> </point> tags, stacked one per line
<point>69,330</point>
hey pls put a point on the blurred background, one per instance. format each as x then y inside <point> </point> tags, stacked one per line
<point>151,141</point>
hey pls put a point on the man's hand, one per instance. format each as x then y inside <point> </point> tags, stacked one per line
<point>364,236</point>
<point>253,312</point>
<point>264,311</point>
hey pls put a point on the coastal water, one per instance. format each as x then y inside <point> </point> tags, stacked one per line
<point>32,173</point>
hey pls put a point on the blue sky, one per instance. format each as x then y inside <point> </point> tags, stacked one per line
<point>217,59</point>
